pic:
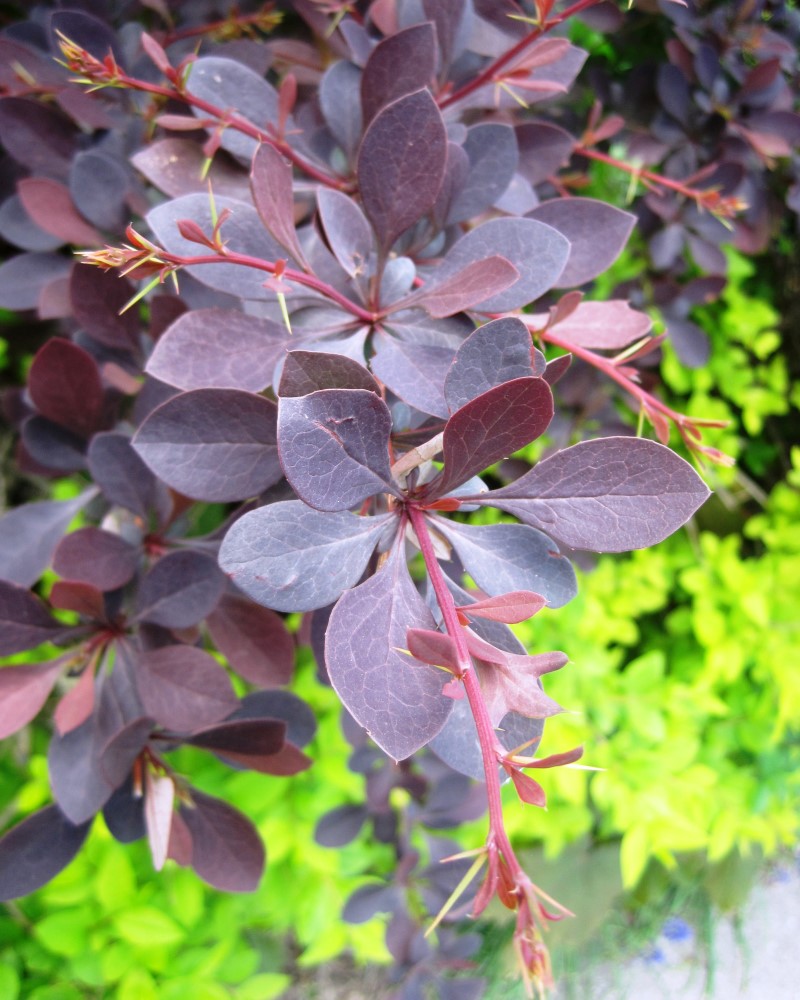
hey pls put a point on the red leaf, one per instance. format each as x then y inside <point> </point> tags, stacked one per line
<point>512,608</point>
<point>23,691</point>
<point>529,791</point>
<point>77,704</point>
<point>432,647</point>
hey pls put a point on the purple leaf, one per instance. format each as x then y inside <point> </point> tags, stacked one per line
<point>400,64</point>
<point>64,385</point>
<point>218,349</point>
<point>340,104</point>
<point>212,444</point>
<point>123,477</point>
<point>253,640</point>
<point>597,233</point>
<point>537,251</point>
<point>116,756</point>
<point>466,288</point>
<point>432,647</point>
<point>368,901</point>
<point>543,150</point>
<point>229,84</point>
<point>348,233</point>
<point>70,595</point>
<point>183,688</point>
<point>306,371</point>
<point>30,534</point>
<point>98,185</point>
<point>508,557</point>
<point>492,151</point>
<point>23,278</point>
<point>398,700</point>
<point>413,371</point>
<point>334,446</point>
<point>401,163</point>
<point>495,353</point>
<point>37,135</point>
<point>340,826</point>
<point>605,325</point>
<point>226,849</point>
<point>36,850</point>
<point>607,495</point>
<point>290,557</point>
<point>100,558</point>
<point>175,166</point>
<point>124,814</point>
<point>18,229</point>
<point>23,692</point>
<point>493,426</point>
<point>180,590</point>
<point>79,785</point>
<point>271,184</point>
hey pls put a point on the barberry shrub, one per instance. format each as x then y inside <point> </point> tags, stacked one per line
<point>341,279</point>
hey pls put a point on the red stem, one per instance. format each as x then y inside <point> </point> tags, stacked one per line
<point>494,67</point>
<point>300,277</point>
<point>646,175</point>
<point>240,124</point>
<point>483,724</point>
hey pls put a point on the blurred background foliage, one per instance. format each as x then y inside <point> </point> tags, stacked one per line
<point>682,686</point>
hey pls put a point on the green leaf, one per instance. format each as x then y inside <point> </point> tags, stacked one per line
<point>137,985</point>
<point>9,983</point>
<point>146,926</point>
<point>64,933</point>
<point>264,987</point>
<point>634,855</point>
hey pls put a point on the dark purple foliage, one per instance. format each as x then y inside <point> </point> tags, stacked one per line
<point>348,359</point>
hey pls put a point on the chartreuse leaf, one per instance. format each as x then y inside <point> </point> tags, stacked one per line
<point>145,926</point>
<point>9,982</point>
<point>264,986</point>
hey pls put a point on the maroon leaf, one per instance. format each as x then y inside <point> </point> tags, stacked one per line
<point>65,386</point>
<point>23,692</point>
<point>70,595</point>
<point>396,699</point>
<point>50,205</point>
<point>491,427</point>
<point>271,184</point>
<point>511,608</point>
<point>253,640</point>
<point>474,283</point>
<point>398,65</point>
<point>180,590</point>
<point>226,849</point>
<point>77,704</point>
<point>401,163</point>
<point>435,648</point>
<point>243,738</point>
<point>183,688</point>
<point>510,681</point>
<point>529,791</point>
<point>36,850</point>
<point>99,558</point>
<point>97,299</point>
<point>606,325</point>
